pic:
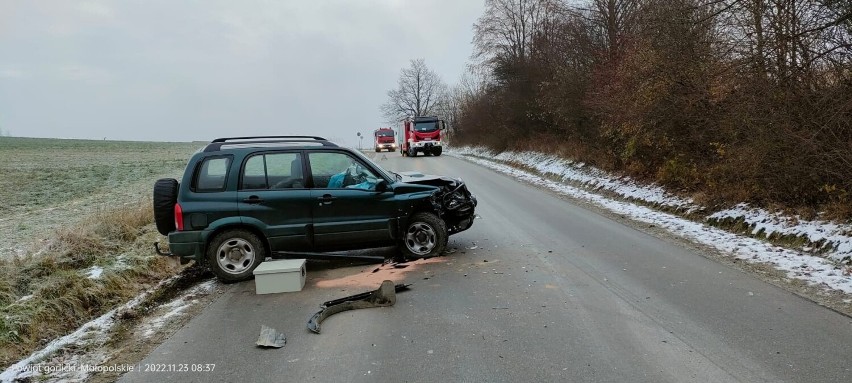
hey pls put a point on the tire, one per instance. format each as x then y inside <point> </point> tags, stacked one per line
<point>232,255</point>
<point>412,153</point>
<point>165,198</point>
<point>425,236</point>
<point>378,150</point>
<point>437,152</point>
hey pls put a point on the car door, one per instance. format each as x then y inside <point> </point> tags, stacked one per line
<point>274,197</point>
<point>348,211</point>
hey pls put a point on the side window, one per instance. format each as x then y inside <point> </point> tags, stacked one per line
<point>273,171</point>
<point>254,173</point>
<point>284,171</point>
<point>340,171</point>
<point>213,174</point>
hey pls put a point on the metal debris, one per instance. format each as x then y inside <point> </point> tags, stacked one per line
<point>384,296</point>
<point>269,337</point>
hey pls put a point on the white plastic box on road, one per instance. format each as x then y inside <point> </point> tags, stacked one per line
<point>280,276</point>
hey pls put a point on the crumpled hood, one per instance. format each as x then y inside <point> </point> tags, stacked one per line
<point>426,179</point>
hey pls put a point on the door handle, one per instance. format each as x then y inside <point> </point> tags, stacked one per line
<point>252,200</point>
<point>326,199</point>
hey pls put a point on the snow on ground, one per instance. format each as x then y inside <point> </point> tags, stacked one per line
<point>835,238</point>
<point>95,334</point>
<point>94,272</point>
<point>811,269</point>
<point>173,309</point>
<point>584,175</point>
<point>120,263</point>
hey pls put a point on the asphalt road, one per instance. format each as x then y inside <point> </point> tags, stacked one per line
<point>552,292</point>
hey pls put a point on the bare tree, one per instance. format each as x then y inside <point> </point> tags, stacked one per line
<point>472,82</point>
<point>614,20</point>
<point>419,92</point>
<point>507,29</point>
<point>699,95</point>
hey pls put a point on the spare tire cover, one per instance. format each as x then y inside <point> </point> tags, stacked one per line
<point>165,198</point>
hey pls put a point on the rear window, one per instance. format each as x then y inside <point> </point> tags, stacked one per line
<point>213,174</point>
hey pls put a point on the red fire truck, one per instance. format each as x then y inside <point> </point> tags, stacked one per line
<point>384,139</point>
<point>421,134</point>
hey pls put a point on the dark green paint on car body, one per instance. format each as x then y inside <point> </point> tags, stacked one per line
<point>269,187</point>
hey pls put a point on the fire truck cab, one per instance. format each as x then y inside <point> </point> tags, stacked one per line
<point>383,139</point>
<point>421,135</point>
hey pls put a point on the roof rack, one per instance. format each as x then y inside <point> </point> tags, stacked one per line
<point>226,139</point>
<point>248,141</point>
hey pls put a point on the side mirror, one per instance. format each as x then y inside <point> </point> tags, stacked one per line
<point>442,124</point>
<point>382,186</point>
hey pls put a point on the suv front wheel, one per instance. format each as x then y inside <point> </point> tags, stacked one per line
<point>233,254</point>
<point>425,236</point>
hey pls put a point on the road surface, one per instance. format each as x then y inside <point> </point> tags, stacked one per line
<point>552,292</point>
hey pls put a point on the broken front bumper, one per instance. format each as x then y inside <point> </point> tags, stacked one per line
<point>453,202</point>
<point>384,296</point>
<point>458,207</point>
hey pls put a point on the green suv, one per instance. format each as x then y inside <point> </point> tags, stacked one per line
<point>242,199</point>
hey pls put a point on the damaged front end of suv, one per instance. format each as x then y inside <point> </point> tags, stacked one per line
<point>453,202</point>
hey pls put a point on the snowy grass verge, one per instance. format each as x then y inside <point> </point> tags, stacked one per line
<point>94,333</point>
<point>86,351</point>
<point>831,268</point>
<point>83,272</point>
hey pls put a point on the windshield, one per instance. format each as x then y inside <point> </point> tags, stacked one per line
<point>426,126</point>
<point>384,133</point>
<point>383,173</point>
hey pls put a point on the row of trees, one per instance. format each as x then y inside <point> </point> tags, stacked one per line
<point>421,92</point>
<point>734,100</point>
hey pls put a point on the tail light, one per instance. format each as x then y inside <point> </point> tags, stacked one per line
<point>178,217</point>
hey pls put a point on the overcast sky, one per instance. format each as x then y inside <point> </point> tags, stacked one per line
<point>172,70</point>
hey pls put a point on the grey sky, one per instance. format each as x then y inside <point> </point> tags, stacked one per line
<point>168,70</point>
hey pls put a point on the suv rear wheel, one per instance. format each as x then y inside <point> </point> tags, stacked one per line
<point>233,254</point>
<point>424,237</point>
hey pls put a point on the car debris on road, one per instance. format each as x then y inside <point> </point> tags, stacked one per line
<point>384,296</point>
<point>270,338</point>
